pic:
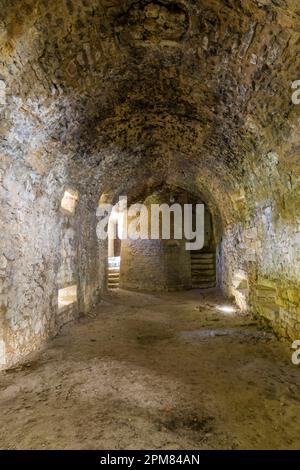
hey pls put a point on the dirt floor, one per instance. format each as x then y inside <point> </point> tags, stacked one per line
<point>155,372</point>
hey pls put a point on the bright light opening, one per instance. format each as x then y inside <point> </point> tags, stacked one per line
<point>226,309</point>
<point>67,296</point>
<point>69,201</point>
<point>115,230</point>
<point>114,261</point>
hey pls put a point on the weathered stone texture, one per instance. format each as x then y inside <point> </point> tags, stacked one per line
<point>156,265</point>
<point>104,96</point>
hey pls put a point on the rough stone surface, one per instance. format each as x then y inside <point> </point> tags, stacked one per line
<point>104,96</point>
<point>165,371</point>
<point>157,265</point>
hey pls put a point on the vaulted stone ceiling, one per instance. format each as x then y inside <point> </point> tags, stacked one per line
<point>197,88</point>
<point>107,97</point>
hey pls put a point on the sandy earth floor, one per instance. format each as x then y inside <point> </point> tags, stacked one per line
<point>155,372</point>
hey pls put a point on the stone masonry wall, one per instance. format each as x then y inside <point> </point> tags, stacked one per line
<point>110,95</point>
<point>42,250</point>
<point>263,249</point>
<point>156,264</point>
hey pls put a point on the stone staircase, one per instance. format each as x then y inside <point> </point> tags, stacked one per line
<point>203,266</point>
<point>113,273</point>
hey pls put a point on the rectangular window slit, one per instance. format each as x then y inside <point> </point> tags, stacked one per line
<point>69,201</point>
<point>67,296</point>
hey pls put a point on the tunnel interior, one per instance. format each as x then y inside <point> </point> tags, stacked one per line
<point>102,98</point>
<point>162,261</point>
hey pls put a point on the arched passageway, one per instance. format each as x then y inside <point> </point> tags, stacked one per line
<point>167,99</point>
<point>157,257</point>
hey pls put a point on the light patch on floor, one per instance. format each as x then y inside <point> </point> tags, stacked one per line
<point>155,371</point>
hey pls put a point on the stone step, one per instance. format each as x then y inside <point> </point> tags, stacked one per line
<point>203,275</point>
<point>204,285</point>
<point>202,255</point>
<point>199,277</point>
<point>197,280</point>
<point>202,269</point>
<point>202,266</point>
<point>204,281</point>
<point>203,272</point>
<point>202,260</point>
<point>113,274</point>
